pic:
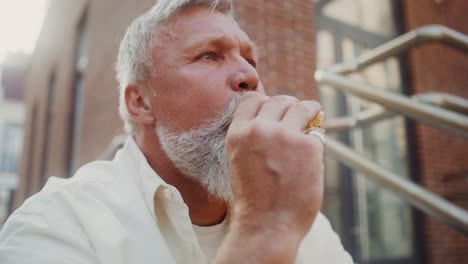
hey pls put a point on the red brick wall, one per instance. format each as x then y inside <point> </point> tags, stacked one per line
<point>443,158</point>
<point>283,31</point>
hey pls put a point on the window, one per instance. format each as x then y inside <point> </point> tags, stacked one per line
<point>12,140</point>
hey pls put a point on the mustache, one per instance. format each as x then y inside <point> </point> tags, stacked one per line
<point>230,110</point>
<point>211,128</point>
<point>224,119</point>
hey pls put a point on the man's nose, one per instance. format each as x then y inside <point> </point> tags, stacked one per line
<point>244,78</point>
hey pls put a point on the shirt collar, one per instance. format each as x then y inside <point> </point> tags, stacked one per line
<point>150,183</point>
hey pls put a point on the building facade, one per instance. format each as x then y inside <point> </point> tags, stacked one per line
<point>376,225</point>
<point>72,100</point>
<point>12,73</point>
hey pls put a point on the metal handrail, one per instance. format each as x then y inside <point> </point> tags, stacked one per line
<point>402,43</point>
<point>378,113</point>
<point>448,101</point>
<point>360,119</point>
<point>427,201</point>
<point>420,107</point>
<point>435,116</point>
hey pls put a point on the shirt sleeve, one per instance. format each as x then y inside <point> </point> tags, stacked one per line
<point>41,233</point>
<point>322,245</point>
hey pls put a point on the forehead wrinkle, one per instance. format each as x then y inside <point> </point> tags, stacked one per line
<point>220,40</point>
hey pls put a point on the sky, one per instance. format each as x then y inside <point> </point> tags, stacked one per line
<point>20,25</point>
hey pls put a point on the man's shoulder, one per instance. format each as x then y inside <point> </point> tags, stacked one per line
<point>100,207</point>
<point>61,217</point>
<point>93,179</point>
<point>67,209</point>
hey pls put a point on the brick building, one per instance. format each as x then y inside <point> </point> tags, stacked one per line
<point>71,99</point>
<point>442,158</point>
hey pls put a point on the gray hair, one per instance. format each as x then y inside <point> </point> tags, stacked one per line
<point>134,62</point>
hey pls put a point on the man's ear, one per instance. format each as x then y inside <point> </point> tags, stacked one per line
<point>139,105</point>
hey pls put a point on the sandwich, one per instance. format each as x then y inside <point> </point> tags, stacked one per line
<point>315,124</point>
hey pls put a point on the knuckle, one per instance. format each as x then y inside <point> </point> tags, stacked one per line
<point>257,130</point>
<point>284,99</point>
<point>301,106</point>
<point>312,105</point>
<point>249,94</point>
<point>269,132</point>
<point>308,108</point>
<point>253,96</point>
<point>303,111</point>
<point>315,104</point>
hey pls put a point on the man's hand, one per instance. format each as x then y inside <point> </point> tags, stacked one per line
<point>277,177</point>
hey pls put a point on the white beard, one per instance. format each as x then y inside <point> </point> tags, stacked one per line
<point>200,153</point>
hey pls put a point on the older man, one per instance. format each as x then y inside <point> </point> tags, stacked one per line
<point>213,169</point>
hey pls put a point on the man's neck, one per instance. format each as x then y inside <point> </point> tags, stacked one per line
<point>204,209</point>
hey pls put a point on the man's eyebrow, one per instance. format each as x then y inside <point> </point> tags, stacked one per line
<point>222,41</point>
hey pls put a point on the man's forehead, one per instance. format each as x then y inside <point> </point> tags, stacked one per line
<point>202,25</point>
<point>220,39</point>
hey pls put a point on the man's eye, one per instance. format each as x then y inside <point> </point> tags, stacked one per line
<point>209,56</point>
<point>252,62</point>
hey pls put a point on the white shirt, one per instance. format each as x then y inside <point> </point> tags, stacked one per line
<point>121,211</point>
<point>211,237</point>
